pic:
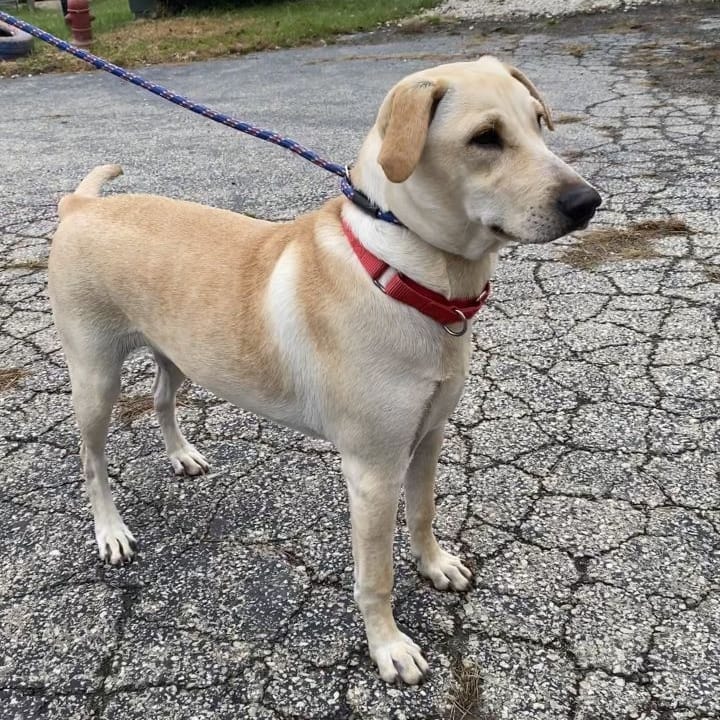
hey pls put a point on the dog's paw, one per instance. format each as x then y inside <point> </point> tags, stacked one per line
<point>400,658</point>
<point>188,461</point>
<point>115,542</point>
<point>446,571</point>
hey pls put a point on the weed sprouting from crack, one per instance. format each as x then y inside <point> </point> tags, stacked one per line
<point>9,377</point>
<point>131,407</point>
<point>617,244</point>
<point>466,694</point>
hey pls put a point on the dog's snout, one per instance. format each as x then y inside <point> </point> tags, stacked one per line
<point>579,203</point>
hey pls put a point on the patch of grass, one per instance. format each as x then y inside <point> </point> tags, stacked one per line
<point>466,697</point>
<point>131,407</point>
<point>108,15</point>
<point>9,377</point>
<point>31,264</point>
<point>219,33</point>
<point>617,244</point>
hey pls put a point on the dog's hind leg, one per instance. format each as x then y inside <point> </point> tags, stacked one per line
<point>446,571</point>
<point>95,377</point>
<point>185,459</point>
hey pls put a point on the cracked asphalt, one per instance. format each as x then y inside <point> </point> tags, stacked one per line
<point>579,476</point>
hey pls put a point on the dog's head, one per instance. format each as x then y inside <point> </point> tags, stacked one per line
<point>457,153</point>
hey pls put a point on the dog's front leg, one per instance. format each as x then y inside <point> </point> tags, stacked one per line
<point>445,570</point>
<point>374,489</point>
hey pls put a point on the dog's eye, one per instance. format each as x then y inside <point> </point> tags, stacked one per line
<point>487,138</point>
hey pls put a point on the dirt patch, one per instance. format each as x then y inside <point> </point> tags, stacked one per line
<point>686,65</point>
<point>9,377</point>
<point>130,407</point>
<point>617,244</point>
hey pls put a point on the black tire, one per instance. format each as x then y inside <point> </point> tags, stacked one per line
<point>17,44</point>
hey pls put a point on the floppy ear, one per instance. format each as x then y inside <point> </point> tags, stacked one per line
<point>525,80</point>
<point>403,123</point>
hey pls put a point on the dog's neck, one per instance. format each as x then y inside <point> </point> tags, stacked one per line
<point>450,275</point>
<point>416,257</point>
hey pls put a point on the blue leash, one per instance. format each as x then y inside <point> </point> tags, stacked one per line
<point>358,197</point>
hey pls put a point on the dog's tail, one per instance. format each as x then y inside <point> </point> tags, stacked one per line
<point>89,187</point>
<point>96,178</point>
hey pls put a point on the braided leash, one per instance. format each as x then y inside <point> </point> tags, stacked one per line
<point>341,171</point>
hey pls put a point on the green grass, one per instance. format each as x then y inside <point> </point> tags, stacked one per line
<point>200,36</point>
<point>108,14</point>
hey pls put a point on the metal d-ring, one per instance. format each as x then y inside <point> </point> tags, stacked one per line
<point>462,330</point>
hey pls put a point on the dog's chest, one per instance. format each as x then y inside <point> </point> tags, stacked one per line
<point>447,389</point>
<point>442,403</point>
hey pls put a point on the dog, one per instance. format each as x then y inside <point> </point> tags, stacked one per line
<point>284,319</point>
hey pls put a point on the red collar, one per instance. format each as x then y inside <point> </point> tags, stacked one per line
<point>446,311</point>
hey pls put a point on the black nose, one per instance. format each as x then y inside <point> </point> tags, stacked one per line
<point>579,203</point>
